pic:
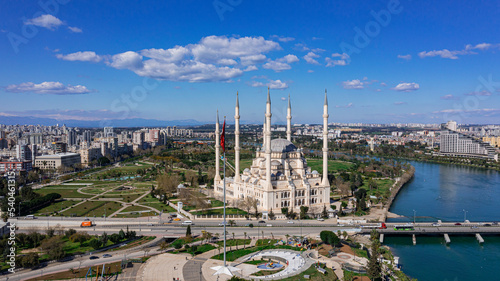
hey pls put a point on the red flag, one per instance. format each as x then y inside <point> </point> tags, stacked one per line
<point>222,136</point>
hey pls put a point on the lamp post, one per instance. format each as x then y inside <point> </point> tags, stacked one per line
<point>465,214</point>
<point>414,213</point>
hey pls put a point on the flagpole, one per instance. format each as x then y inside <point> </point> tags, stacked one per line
<point>224,195</point>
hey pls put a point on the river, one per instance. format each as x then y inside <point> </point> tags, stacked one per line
<point>443,192</point>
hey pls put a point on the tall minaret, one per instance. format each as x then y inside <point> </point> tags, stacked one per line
<point>217,150</point>
<point>268,141</point>
<point>237,140</point>
<point>325,142</point>
<point>264,134</point>
<point>289,121</point>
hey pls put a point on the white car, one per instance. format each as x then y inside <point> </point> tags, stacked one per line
<point>187,223</point>
<point>436,224</point>
<point>222,223</point>
<point>321,219</point>
<point>289,222</point>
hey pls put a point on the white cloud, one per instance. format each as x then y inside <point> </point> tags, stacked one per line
<point>344,60</point>
<point>277,84</point>
<point>353,84</point>
<point>406,87</point>
<point>250,68</point>
<point>479,111</point>
<point>310,71</point>
<point>289,58</point>
<point>75,29</point>
<point>282,38</point>
<point>310,58</point>
<point>281,63</point>
<point>383,84</point>
<point>81,56</point>
<point>468,50</point>
<point>405,57</point>
<point>277,66</point>
<point>349,105</point>
<point>301,47</point>
<point>448,97</point>
<point>400,103</point>
<point>48,21</point>
<point>214,58</point>
<point>273,84</point>
<point>50,88</point>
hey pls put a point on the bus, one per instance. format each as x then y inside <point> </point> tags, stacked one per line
<point>404,227</point>
<point>375,226</point>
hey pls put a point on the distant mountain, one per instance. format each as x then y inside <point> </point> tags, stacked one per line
<point>134,122</point>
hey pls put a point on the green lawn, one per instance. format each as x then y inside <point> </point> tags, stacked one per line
<point>89,208</point>
<point>314,275</point>
<point>234,242</point>
<point>233,255</point>
<point>155,203</point>
<point>55,207</point>
<point>382,186</point>
<point>360,252</point>
<point>65,192</point>
<point>333,165</point>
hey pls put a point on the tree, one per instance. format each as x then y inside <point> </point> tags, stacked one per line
<point>30,260</point>
<point>303,212</point>
<point>167,184</point>
<point>95,243</point>
<point>284,211</point>
<point>53,247</point>
<point>247,203</point>
<point>271,215</point>
<point>374,267</point>
<point>324,214</point>
<point>188,231</point>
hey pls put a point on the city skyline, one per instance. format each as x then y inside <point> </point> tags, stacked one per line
<point>384,62</point>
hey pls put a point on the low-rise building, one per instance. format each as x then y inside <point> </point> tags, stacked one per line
<point>55,161</point>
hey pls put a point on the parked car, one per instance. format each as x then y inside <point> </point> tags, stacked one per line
<point>93,257</point>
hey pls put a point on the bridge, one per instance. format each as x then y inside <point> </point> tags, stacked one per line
<point>438,229</point>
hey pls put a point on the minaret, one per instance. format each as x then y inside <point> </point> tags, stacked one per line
<point>268,141</point>
<point>289,121</point>
<point>217,150</point>
<point>264,134</point>
<point>237,140</point>
<point>325,143</point>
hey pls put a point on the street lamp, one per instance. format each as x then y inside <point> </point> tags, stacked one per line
<point>465,214</point>
<point>414,213</point>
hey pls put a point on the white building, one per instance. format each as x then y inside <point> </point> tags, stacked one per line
<point>55,161</point>
<point>279,175</point>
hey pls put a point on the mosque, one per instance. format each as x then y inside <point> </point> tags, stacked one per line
<point>279,175</point>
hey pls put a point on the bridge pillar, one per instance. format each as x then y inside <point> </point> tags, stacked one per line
<point>381,238</point>
<point>414,239</point>
<point>479,238</point>
<point>447,239</point>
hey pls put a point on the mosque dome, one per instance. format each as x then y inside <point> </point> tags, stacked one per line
<point>282,145</point>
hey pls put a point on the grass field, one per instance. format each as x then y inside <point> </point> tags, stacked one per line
<point>155,203</point>
<point>334,166</point>
<point>234,242</point>
<point>65,192</point>
<point>383,186</point>
<point>89,208</point>
<point>55,207</point>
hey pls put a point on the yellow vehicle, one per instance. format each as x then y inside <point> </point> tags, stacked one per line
<point>177,219</point>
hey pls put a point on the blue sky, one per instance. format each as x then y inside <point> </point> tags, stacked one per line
<point>381,61</point>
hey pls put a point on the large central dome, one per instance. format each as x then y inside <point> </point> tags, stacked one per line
<point>282,145</point>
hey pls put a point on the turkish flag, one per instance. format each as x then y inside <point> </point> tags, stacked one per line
<point>223,137</point>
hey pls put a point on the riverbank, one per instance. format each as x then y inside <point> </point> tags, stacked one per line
<point>405,178</point>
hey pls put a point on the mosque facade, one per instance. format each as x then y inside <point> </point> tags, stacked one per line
<point>279,176</point>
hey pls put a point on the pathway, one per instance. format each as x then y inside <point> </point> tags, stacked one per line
<point>126,205</point>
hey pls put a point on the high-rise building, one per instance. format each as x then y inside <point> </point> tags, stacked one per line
<point>453,143</point>
<point>108,132</point>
